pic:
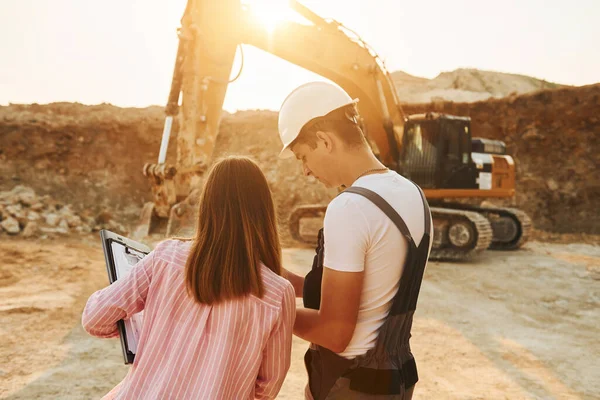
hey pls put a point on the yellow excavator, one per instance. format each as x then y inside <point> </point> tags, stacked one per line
<point>436,151</point>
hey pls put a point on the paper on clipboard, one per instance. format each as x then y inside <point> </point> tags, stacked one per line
<point>121,255</point>
<point>125,259</point>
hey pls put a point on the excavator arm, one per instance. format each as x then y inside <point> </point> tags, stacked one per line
<point>329,49</point>
<point>210,33</point>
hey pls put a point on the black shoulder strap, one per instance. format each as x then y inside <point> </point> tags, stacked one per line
<point>389,210</point>
<point>385,207</point>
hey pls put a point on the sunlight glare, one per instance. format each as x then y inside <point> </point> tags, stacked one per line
<point>270,12</point>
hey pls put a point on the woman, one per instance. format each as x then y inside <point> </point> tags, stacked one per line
<point>218,318</point>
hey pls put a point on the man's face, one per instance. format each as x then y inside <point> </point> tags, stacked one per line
<point>314,162</point>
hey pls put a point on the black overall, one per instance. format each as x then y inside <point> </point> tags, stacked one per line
<point>389,368</point>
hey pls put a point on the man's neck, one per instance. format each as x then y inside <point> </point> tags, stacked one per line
<point>357,164</point>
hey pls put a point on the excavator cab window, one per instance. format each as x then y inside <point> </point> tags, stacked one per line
<point>457,135</point>
<point>436,153</point>
<point>457,168</point>
<point>420,152</point>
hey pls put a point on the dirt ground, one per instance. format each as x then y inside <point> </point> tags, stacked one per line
<point>510,325</point>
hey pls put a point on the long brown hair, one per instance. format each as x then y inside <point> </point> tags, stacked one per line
<point>237,229</point>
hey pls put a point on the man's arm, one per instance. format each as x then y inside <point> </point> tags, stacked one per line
<point>346,234</point>
<point>297,281</point>
<point>333,325</point>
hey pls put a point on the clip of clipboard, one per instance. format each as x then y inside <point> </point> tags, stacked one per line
<point>132,251</point>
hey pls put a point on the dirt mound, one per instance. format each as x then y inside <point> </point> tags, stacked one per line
<point>553,136</point>
<point>465,85</point>
<point>91,157</point>
<point>23,212</point>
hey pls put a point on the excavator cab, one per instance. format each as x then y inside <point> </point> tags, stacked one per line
<point>438,152</point>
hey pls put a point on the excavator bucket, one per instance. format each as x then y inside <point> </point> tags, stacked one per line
<point>147,223</point>
<point>181,222</point>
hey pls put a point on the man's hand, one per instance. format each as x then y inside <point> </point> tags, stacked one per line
<point>333,325</point>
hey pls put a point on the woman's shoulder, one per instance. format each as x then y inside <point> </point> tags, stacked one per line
<point>272,279</point>
<point>276,287</point>
<point>172,251</point>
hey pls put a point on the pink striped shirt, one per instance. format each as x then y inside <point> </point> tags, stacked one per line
<point>238,349</point>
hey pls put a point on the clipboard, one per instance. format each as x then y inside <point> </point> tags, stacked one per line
<point>121,254</point>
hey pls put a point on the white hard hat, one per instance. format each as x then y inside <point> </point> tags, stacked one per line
<point>308,101</point>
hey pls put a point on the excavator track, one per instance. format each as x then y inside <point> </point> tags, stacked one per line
<point>511,227</point>
<point>459,234</point>
<point>519,219</point>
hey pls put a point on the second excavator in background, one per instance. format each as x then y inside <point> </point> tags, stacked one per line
<point>436,151</point>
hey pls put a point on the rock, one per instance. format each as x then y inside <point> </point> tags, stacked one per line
<point>37,206</point>
<point>4,197</point>
<point>53,230</point>
<point>532,134</point>
<point>45,199</point>
<point>83,229</point>
<point>27,197</point>
<point>11,226</point>
<point>52,219</point>
<point>41,164</point>
<point>15,210</point>
<point>552,185</point>
<point>63,225</point>
<point>65,210</point>
<point>30,229</point>
<point>90,221</point>
<point>33,216</point>
<point>10,199</point>
<point>73,221</point>
<point>116,227</point>
<point>69,216</point>
<point>104,217</point>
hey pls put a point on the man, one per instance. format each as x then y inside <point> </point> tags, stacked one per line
<point>361,295</point>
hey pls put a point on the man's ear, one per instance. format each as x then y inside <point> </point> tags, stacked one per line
<point>327,139</point>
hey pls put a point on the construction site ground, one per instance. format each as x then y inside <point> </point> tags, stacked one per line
<point>511,325</point>
<point>507,325</point>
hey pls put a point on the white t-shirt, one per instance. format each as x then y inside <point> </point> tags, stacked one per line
<point>359,236</point>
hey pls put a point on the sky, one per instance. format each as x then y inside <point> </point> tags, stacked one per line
<point>122,51</point>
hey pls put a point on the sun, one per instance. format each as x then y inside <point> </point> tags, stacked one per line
<point>270,13</point>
